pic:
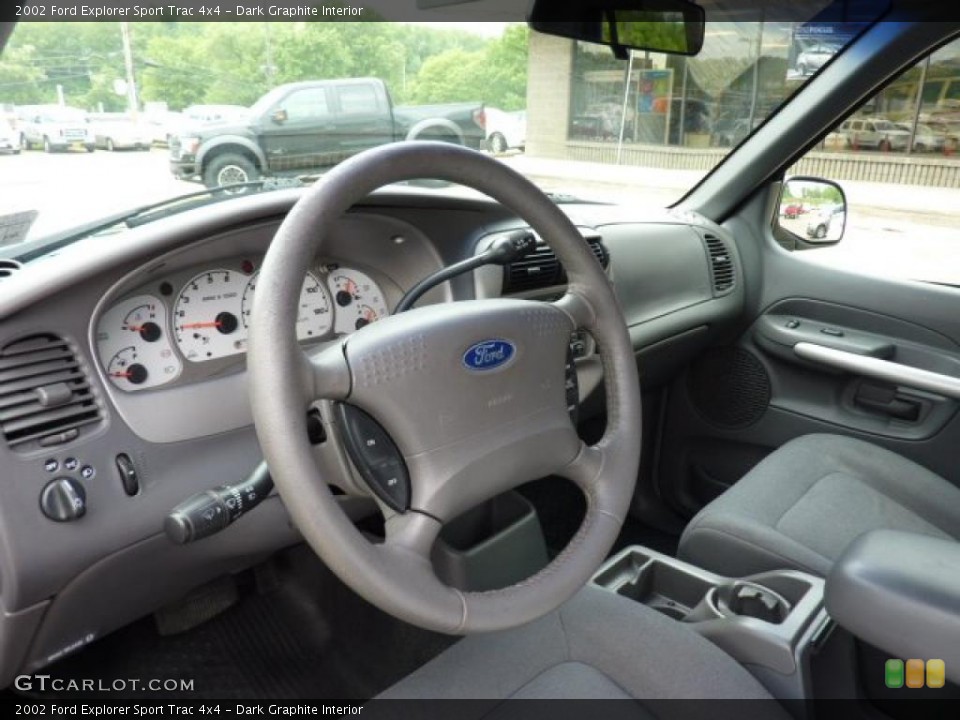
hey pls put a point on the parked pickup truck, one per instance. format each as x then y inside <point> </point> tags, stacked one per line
<point>304,127</point>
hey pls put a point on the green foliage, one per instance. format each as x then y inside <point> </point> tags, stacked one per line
<point>496,74</point>
<point>184,64</point>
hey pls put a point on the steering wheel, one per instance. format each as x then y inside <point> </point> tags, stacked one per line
<point>465,433</point>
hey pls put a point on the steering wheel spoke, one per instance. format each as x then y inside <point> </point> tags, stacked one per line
<point>411,532</point>
<point>578,308</point>
<point>327,374</point>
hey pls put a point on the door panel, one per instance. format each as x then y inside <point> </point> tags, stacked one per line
<point>820,350</point>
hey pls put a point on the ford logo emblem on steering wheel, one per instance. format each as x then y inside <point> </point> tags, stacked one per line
<point>488,355</point>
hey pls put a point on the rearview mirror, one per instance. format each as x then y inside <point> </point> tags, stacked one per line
<point>814,210</point>
<point>668,26</point>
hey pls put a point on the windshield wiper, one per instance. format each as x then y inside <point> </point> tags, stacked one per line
<point>155,211</point>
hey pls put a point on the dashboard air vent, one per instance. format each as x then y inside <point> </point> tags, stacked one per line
<point>541,269</point>
<point>721,264</point>
<point>44,394</point>
<point>8,268</point>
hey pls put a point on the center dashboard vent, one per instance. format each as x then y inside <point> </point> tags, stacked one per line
<point>721,264</point>
<point>45,396</point>
<point>541,269</point>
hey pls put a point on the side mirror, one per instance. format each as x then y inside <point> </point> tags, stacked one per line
<point>279,116</point>
<point>813,210</point>
<point>674,27</point>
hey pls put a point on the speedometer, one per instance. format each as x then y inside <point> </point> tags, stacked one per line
<point>359,299</point>
<point>206,317</point>
<point>314,318</point>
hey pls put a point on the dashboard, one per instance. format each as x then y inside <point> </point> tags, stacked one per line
<point>123,377</point>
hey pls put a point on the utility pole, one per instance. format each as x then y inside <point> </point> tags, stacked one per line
<point>128,62</point>
<point>269,69</point>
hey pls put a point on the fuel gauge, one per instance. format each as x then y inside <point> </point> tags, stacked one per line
<point>124,366</point>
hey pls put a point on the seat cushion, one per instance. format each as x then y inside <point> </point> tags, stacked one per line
<point>598,645</point>
<point>802,505</point>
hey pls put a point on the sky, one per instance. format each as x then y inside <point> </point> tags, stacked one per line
<point>486,29</point>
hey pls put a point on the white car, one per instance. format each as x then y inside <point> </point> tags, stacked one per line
<point>814,58</point>
<point>115,131</point>
<point>827,223</point>
<point>875,134</point>
<point>54,128</point>
<point>9,138</point>
<point>505,130</point>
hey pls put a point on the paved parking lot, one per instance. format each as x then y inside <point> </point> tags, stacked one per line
<point>904,231</point>
<point>75,186</point>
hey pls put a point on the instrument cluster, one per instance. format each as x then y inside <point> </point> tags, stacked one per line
<point>150,338</point>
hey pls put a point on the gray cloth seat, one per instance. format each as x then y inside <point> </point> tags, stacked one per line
<point>598,645</point>
<point>805,503</point>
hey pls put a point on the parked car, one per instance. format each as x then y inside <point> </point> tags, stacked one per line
<point>506,130</point>
<point>9,138</point>
<point>875,134</point>
<point>794,210</point>
<point>303,127</point>
<point>814,57</point>
<point>54,128</point>
<point>164,125</point>
<point>116,131</point>
<point>927,139</point>
<point>828,219</point>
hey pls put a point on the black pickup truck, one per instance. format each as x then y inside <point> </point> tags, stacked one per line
<point>303,127</point>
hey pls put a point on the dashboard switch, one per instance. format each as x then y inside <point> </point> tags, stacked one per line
<point>128,474</point>
<point>376,457</point>
<point>63,499</point>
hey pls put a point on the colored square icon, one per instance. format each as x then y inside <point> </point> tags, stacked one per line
<point>936,673</point>
<point>915,673</point>
<point>893,673</point>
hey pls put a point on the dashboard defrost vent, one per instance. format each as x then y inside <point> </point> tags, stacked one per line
<point>541,269</point>
<point>44,394</point>
<point>721,264</point>
<point>8,268</point>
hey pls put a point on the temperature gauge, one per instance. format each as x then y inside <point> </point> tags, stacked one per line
<point>358,299</point>
<point>133,343</point>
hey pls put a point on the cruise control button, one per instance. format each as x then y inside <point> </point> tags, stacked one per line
<point>376,457</point>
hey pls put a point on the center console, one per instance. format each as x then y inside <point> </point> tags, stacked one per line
<point>772,623</point>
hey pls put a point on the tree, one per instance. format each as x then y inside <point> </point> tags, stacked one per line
<point>495,75</point>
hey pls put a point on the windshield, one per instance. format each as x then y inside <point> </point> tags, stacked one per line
<point>571,116</point>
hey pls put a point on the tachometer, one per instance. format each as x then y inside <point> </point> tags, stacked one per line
<point>134,345</point>
<point>206,317</point>
<point>358,298</point>
<point>314,316</point>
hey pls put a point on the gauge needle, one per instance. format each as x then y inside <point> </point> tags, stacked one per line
<point>134,328</point>
<point>121,374</point>
<point>198,325</point>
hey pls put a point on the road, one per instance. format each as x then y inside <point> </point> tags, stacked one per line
<point>901,231</point>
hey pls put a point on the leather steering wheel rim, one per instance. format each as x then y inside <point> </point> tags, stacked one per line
<point>458,456</point>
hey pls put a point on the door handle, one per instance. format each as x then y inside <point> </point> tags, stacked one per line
<point>887,401</point>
